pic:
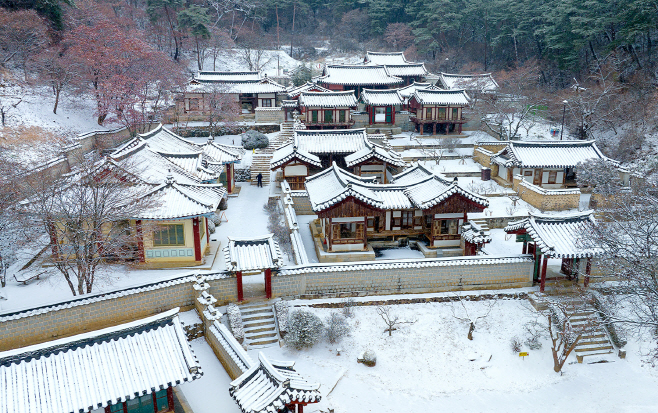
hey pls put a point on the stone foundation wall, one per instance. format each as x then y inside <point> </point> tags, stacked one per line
<point>546,199</point>
<point>242,175</point>
<point>361,120</point>
<point>269,115</point>
<point>94,312</point>
<point>422,276</point>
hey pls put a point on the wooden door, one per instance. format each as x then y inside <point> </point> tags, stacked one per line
<point>389,114</point>
<point>537,178</point>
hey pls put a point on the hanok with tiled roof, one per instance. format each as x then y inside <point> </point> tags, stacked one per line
<point>357,78</point>
<point>250,89</point>
<point>438,110</point>
<point>397,65</point>
<point>253,255</point>
<point>272,387</point>
<point>310,151</point>
<point>353,209</point>
<point>295,91</point>
<point>547,164</point>
<point>567,237</point>
<point>115,369</point>
<point>327,110</point>
<point>381,105</point>
<point>480,83</point>
<point>176,216</point>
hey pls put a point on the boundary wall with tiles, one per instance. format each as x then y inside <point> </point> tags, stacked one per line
<point>93,312</point>
<point>404,276</point>
<point>37,325</point>
<point>546,199</point>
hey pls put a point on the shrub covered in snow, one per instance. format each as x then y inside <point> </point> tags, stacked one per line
<point>369,358</point>
<point>252,139</point>
<point>235,321</point>
<point>348,305</point>
<point>281,312</point>
<point>515,345</point>
<point>305,329</point>
<point>211,227</point>
<point>337,327</point>
<point>534,333</point>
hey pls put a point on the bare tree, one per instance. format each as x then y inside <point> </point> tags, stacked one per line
<point>515,105</point>
<point>392,321</point>
<point>56,70</point>
<point>564,337</point>
<point>221,106</point>
<point>87,215</point>
<point>467,317</point>
<point>253,51</point>
<point>22,34</point>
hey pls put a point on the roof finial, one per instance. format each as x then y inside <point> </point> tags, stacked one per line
<point>170,177</point>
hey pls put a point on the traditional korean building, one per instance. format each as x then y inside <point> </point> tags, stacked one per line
<point>174,230</point>
<point>327,110</point>
<point>381,106</point>
<point>547,164</point>
<point>397,65</point>
<point>129,368</point>
<point>438,111</point>
<point>311,151</point>
<point>246,256</point>
<point>295,91</point>
<point>407,91</point>
<point>248,89</point>
<point>273,387</point>
<point>419,204</point>
<point>558,237</point>
<point>357,78</point>
<point>472,84</point>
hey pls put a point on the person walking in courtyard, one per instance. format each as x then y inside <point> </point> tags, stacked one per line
<point>260,179</point>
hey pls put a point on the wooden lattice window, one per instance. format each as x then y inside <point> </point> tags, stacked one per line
<point>296,182</point>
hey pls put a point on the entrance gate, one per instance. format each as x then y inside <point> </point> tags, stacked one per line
<point>247,258</point>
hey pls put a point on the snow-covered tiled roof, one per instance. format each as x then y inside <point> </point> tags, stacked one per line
<point>222,154</point>
<point>407,91</point>
<point>193,163</point>
<point>481,82</point>
<point>95,369</point>
<point>375,97</point>
<point>209,76</point>
<point>268,386</point>
<point>265,85</point>
<point>559,236</point>
<point>289,152</point>
<point>294,91</point>
<point>289,104</point>
<point>473,233</point>
<point>547,154</point>
<point>344,99</point>
<point>374,151</point>
<point>252,254</point>
<point>410,69</point>
<point>175,201</point>
<point>385,58</point>
<point>330,141</point>
<point>440,97</point>
<point>357,75</point>
<point>163,140</point>
<point>333,185</point>
<point>415,173</point>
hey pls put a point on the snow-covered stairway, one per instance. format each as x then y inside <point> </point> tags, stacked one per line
<point>482,223</point>
<point>261,160</point>
<point>259,326</point>
<point>594,340</point>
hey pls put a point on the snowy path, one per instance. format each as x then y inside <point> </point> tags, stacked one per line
<point>209,394</point>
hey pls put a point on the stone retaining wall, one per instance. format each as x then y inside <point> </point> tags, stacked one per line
<point>269,115</point>
<point>404,277</point>
<point>94,312</point>
<point>546,199</point>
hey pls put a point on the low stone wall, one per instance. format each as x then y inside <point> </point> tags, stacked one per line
<point>482,156</point>
<point>97,311</point>
<point>361,120</point>
<point>546,199</point>
<point>269,115</point>
<point>404,277</point>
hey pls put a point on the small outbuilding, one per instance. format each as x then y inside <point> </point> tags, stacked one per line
<point>253,255</point>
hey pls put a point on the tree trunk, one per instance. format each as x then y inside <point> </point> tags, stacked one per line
<point>471,328</point>
<point>57,90</point>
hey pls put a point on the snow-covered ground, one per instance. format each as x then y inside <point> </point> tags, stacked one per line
<point>431,364</point>
<point>272,61</point>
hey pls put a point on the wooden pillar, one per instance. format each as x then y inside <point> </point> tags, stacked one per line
<point>542,283</point>
<point>525,247</point>
<point>170,398</point>
<point>420,126</point>
<point>392,115</point>
<point>229,177</point>
<point>140,240</point>
<point>330,232</point>
<point>300,408</point>
<point>447,127</point>
<point>385,179</point>
<point>207,231</point>
<point>434,128</point>
<point>238,276</point>
<point>588,271</point>
<point>197,238</point>
<point>460,128</point>
<point>268,283</point>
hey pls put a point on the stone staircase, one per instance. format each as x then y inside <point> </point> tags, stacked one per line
<point>482,223</point>
<point>259,325</point>
<point>261,159</point>
<point>594,340</point>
